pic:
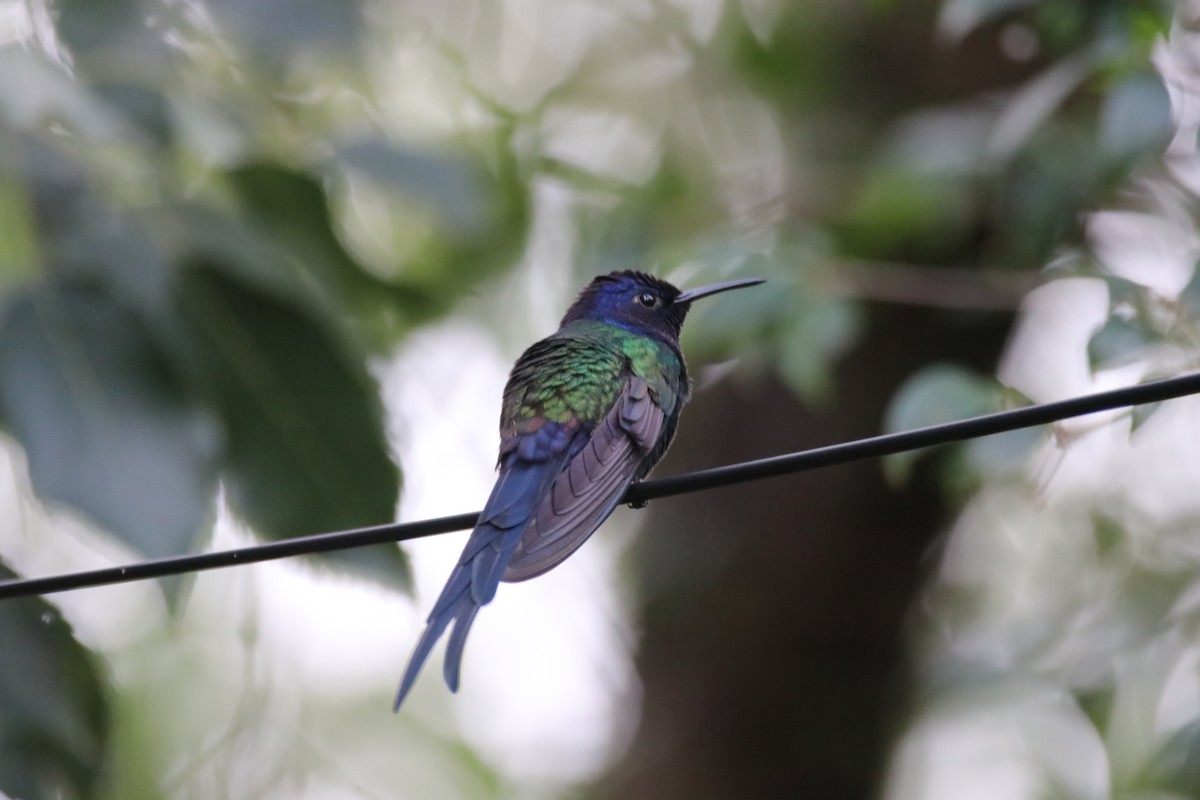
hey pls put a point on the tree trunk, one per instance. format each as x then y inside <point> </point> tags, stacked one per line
<point>773,613</point>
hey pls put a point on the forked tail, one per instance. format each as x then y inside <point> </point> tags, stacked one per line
<point>472,585</point>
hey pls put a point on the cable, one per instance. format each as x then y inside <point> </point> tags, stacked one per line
<point>638,494</point>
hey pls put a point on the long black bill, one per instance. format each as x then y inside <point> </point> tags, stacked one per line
<point>714,288</point>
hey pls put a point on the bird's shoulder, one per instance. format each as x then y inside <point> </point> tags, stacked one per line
<point>576,374</point>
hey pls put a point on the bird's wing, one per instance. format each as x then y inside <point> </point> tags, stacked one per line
<point>592,483</point>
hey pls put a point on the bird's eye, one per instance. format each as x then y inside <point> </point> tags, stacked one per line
<point>648,299</point>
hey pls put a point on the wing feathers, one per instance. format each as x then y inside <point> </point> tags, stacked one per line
<point>591,484</point>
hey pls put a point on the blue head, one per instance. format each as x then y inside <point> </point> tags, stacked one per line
<point>642,303</point>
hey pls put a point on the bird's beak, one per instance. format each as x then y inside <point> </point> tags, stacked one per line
<point>714,288</point>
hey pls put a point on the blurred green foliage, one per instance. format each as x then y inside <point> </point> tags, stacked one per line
<point>944,393</point>
<point>212,215</point>
<point>53,710</point>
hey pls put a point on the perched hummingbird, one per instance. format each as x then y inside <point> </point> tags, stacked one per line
<point>587,411</point>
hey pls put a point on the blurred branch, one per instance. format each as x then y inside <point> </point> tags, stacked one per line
<point>960,288</point>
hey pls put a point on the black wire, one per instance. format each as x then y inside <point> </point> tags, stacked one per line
<point>889,444</point>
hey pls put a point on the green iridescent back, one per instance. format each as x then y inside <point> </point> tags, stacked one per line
<point>575,375</point>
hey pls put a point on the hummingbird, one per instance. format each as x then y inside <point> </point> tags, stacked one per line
<point>586,412</point>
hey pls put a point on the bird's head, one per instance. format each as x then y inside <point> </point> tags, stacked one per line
<point>642,303</point>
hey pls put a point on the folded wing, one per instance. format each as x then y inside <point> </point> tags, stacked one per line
<point>592,483</point>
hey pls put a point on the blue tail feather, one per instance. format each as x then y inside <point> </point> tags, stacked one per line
<point>488,565</point>
<point>433,632</point>
<point>473,583</point>
<point>458,640</point>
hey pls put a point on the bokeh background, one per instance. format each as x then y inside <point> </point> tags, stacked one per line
<point>264,265</point>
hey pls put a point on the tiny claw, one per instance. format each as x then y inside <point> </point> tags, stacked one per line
<point>638,503</point>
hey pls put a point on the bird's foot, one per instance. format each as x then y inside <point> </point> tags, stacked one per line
<point>639,504</point>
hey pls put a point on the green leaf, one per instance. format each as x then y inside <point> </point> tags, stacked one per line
<point>53,710</point>
<point>902,209</point>
<point>936,394</point>
<point>1176,766</point>
<point>36,93</point>
<point>279,27</point>
<point>90,241</point>
<point>146,111</point>
<point>18,246</point>
<point>476,227</point>
<point>1002,452</point>
<point>114,29</point>
<point>815,335</point>
<point>104,420</point>
<point>1045,189</point>
<point>1139,415</point>
<point>291,209</point>
<point>1124,292</point>
<point>1136,118</point>
<point>306,451</point>
<point>455,188</point>
<point>940,393</point>
<point>1119,342</point>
